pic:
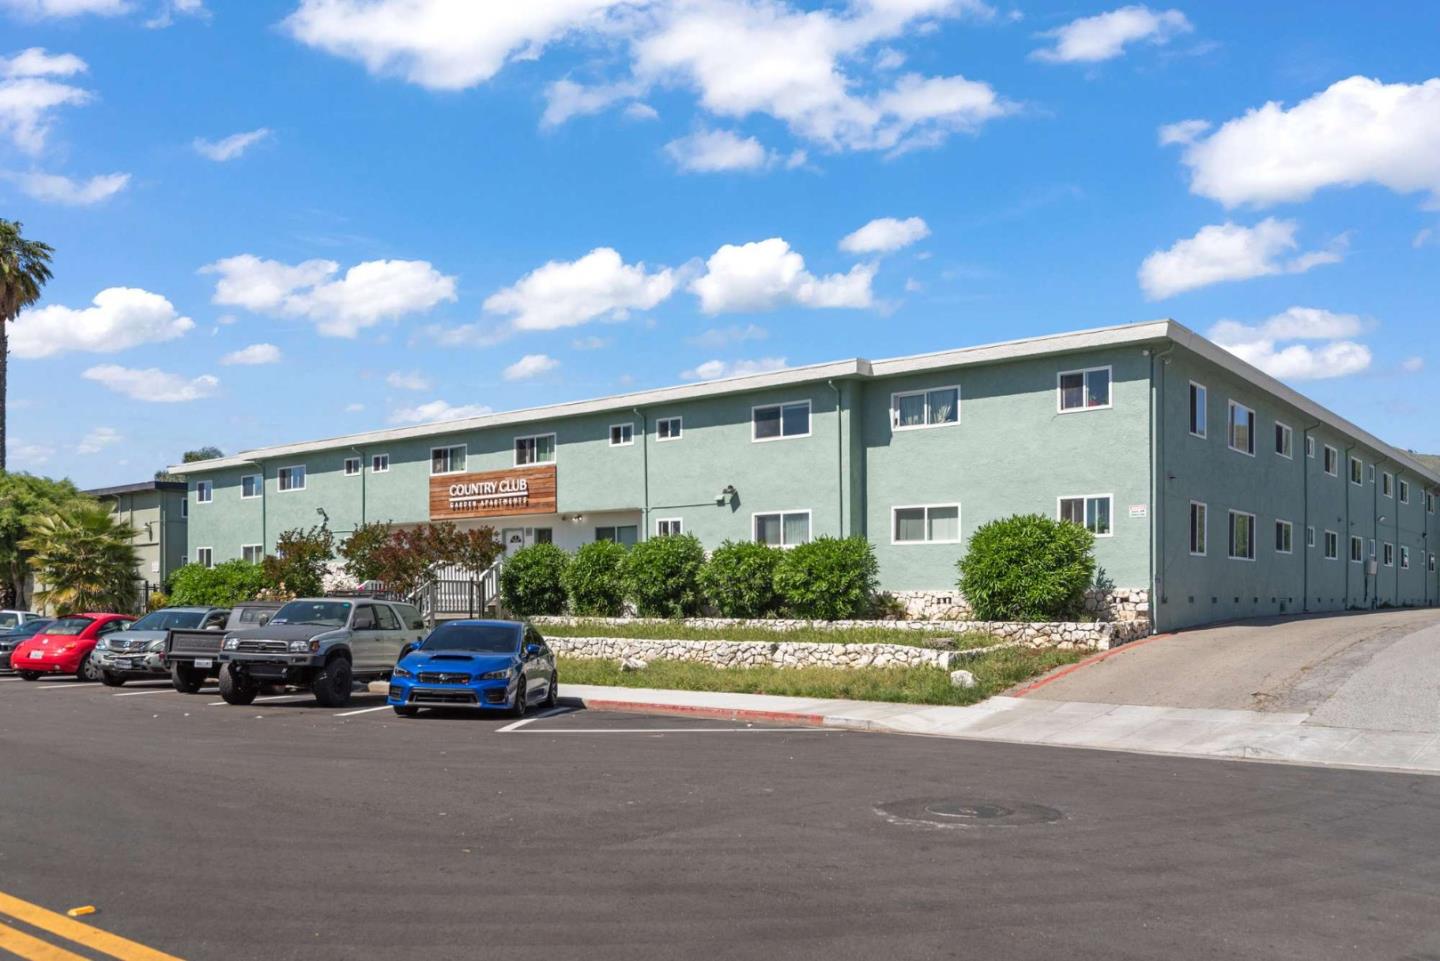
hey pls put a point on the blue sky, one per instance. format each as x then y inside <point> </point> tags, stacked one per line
<point>400,210</point>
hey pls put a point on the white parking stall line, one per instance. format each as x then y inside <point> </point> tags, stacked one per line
<point>683,730</point>
<point>154,690</point>
<point>517,725</point>
<point>67,686</point>
<point>364,710</point>
<point>273,697</point>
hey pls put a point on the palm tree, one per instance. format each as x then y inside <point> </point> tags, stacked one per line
<point>84,559</point>
<point>24,269</point>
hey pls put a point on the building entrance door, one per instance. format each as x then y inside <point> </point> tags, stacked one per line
<point>513,538</point>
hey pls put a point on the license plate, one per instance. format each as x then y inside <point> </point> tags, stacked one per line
<point>36,655</point>
<point>204,662</point>
<point>123,662</point>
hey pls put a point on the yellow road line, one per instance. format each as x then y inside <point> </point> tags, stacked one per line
<point>82,934</point>
<point>23,945</point>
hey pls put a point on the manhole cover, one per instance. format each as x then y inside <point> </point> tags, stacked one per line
<point>966,813</point>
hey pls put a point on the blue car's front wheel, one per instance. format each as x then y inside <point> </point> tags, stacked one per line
<point>518,708</point>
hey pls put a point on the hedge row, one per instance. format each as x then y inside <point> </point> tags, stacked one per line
<point>826,579</point>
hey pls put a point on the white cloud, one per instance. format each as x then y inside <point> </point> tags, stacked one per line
<point>367,294</point>
<point>768,274</point>
<point>152,384</point>
<point>1228,251</point>
<point>1183,132</point>
<point>39,9</point>
<point>1357,131</point>
<point>38,62</point>
<point>253,356</point>
<point>436,410</point>
<point>884,235</point>
<point>97,439</point>
<point>570,293</point>
<point>716,151</point>
<point>566,98</point>
<point>228,148</point>
<point>24,454</point>
<point>716,369</point>
<point>1422,237</point>
<point>119,318</point>
<point>1265,344</point>
<point>58,189</point>
<point>1413,365</point>
<point>531,365</point>
<point>1104,36</point>
<point>26,107</point>
<point>170,9</point>
<point>717,337</point>
<point>407,380</point>
<point>354,407</point>
<point>642,111</point>
<point>589,343</point>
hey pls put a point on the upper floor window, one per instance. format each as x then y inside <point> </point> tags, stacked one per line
<point>1387,484</point>
<point>1284,440</point>
<point>290,478</point>
<point>783,529</point>
<point>185,509</point>
<point>1310,447</point>
<point>539,449</point>
<point>1091,512</point>
<point>1242,536</point>
<point>352,466</point>
<point>448,460</point>
<point>1241,429</point>
<point>379,463</point>
<point>1404,491</point>
<point>622,435</point>
<point>204,492</point>
<point>1357,471</point>
<point>1197,409</point>
<point>925,408</point>
<point>932,524</point>
<point>776,421</point>
<point>251,485</point>
<point>668,428</point>
<point>1429,502</point>
<point>1332,461</point>
<point>1084,389</point>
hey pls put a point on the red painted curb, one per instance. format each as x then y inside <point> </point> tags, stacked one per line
<point>685,710</point>
<point>1093,659</point>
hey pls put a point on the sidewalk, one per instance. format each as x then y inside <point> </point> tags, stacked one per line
<point>1194,732</point>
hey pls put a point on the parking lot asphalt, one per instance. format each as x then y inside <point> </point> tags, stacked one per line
<point>284,830</point>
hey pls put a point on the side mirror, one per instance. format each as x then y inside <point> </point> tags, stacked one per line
<point>264,619</point>
<point>532,650</point>
<point>408,649</point>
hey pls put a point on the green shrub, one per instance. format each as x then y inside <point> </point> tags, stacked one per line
<point>662,576</point>
<point>533,581</point>
<point>828,578</point>
<point>1028,568</point>
<point>220,586</point>
<point>739,579</point>
<point>592,580</point>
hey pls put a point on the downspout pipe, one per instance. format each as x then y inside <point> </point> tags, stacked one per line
<point>364,470</point>
<point>644,472</point>
<point>1348,532</point>
<point>839,457</point>
<point>1157,463</point>
<point>1305,479</point>
<point>1375,528</point>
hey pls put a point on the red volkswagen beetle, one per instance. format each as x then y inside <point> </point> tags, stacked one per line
<point>64,647</point>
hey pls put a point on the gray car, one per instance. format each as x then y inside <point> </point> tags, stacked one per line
<point>139,651</point>
<point>324,644</point>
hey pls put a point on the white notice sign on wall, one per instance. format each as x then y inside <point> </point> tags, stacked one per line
<point>1139,510</point>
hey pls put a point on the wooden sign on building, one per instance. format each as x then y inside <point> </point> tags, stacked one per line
<point>496,493</point>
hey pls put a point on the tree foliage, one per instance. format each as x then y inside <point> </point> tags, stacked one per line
<point>739,579</point>
<point>24,271</point>
<point>83,559</point>
<point>662,576</point>
<point>532,582</point>
<point>593,582</point>
<point>201,453</point>
<point>24,497</point>
<point>1028,568</point>
<point>220,586</point>
<point>404,558</point>
<point>298,566</point>
<point>829,578</point>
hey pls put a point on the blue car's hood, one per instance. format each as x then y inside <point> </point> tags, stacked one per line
<point>458,662</point>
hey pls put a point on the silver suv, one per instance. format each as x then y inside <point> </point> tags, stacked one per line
<point>325,644</point>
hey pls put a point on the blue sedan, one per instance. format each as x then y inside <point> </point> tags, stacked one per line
<point>481,665</point>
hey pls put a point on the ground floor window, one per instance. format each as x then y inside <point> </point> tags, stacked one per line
<point>1198,525</point>
<point>669,527</point>
<point>205,556</point>
<point>1356,550</point>
<point>544,535</point>
<point>933,524</point>
<point>627,534</point>
<point>1309,537</point>
<point>1404,557</point>
<point>1091,511</point>
<point>1332,546</point>
<point>783,529</point>
<point>1432,563</point>
<point>1284,535</point>
<point>252,553</point>
<point>1389,554</point>
<point>1242,536</point>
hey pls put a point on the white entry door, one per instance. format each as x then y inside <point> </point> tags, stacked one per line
<point>513,538</point>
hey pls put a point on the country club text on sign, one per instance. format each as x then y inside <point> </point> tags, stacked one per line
<point>522,490</point>
<point>510,492</point>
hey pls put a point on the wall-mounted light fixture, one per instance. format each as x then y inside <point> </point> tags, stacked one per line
<point>727,493</point>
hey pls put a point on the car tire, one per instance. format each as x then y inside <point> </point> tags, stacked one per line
<point>186,679</point>
<point>235,689</point>
<point>88,671</point>
<point>29,675</point>
<point>552,692</point>
<point>111,679</point>
<point>518,708</point>
<point>405,710</point>
<point>332,684</point>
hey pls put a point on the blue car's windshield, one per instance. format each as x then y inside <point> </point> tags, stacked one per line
<point>480,638</point>
<point>167,621</point>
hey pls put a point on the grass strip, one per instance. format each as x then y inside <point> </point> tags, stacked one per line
<point>679,631</point>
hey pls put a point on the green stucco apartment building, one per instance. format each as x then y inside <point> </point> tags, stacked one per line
<point>1214,491</point>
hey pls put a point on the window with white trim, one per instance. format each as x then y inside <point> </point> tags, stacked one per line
<point>379,463</point>
<point>1332,461</point>
<point>1389,556</point>
<point>1090,511</point>
<point>1310,447</point>
<point>925,524</point>
<point>1240,428</point>
<point>536,449</point>
<point>1429,502</point>
<point>1332,546</point>
<point>1387,484</point>
<point>1310,537</point>
<point>780,421</point>
<point>1431,563</point>
<point>1087,389</point>
<point>1242,536</point>
<point>782,528</point>
<point>669,527</point>
<point>1198,414</point>
<point>252,553</point>
<point>1284,537</point>
<point>185,511</point>
<point>1198,524</point>
<point>352,466</point>
<point>205,556</point>
<point>1357,471</point>
<point>914,409</point>
<point>251,486</point>
<point>1284,440</point>
<point>1404,491</point>
<point>622,435</point>
<point>1372,548</point>
<point>669,428</point>
<point>290,478</point>
<point>1404,558</point>
<point>1357,549</point>
<point>204,492</point>
<point>448,460</point>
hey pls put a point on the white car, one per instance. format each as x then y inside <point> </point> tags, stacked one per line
<point>12,619</point>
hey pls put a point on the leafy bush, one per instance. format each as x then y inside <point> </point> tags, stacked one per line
<point>533,581</point>
<point>592,580</point>
<point>829,578</point>
<point>739,579</point>
<point>662,576</point>
<point>218,586</point>
<point>1028,568</point>
<point>299,564</point>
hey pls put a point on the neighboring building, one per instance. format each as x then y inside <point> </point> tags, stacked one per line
<point>157,510</point>
<point>1213,489</point>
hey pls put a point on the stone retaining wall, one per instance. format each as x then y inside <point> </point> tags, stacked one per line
<point>755,653</point>
<point>1112,604</point>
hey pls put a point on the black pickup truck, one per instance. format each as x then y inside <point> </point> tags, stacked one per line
<point>191,654</point>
